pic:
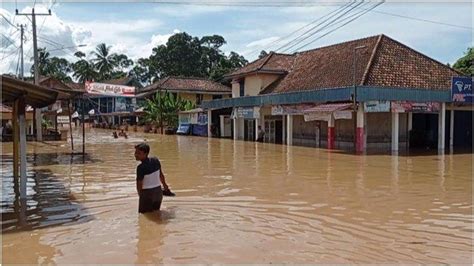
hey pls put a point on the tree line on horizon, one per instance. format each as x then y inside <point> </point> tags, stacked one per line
<point>182,55</point>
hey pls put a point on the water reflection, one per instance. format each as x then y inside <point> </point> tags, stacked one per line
<point>242,202</point>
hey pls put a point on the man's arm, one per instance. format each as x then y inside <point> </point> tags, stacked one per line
<point>139,186</point>
<point>163,181</point>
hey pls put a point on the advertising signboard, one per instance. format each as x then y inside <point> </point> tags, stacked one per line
<point>376,106</point>
<point>95,88</point>
<point>461,89</point>
<point>413,107</point>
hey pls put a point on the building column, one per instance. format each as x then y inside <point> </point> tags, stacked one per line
<point>331,132</point>
<point>451,130</point>
<point>283,133</point>
<point>289,130</point>
<point>236,128</point>
<point>39,128</point>
<point>442,127</point>
<point>209,123</point>
<point>221,125</point>
<point>395,129</point>
<point>257,123</point>
<point>22,135</point>
<point>409,128</point>
<point>241,128</point>
<point>360,144</point>
<point>410,121</point>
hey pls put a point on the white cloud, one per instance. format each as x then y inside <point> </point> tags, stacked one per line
<point>262,42</point>
<point>188,10</point>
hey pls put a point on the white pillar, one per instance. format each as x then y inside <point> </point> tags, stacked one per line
<point>360,143</point>
<point>257,124</point>
<point>221,125</point>
<point>451,130</point>
<point>395,128</point>
<point>236,128</point>
<point>289,130</point>
<point>241,128</point>
<point>22,158</point>
<point>209,122</point>
<point>442,127</point>
<point>39,128</point>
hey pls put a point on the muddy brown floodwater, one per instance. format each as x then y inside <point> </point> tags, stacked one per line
<point>237,202</point>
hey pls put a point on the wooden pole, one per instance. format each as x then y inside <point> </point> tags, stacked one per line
<point>22,136</point>
<point>70,125</point>
<point>16,158</point>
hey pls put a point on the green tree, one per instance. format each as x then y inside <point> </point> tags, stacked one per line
<point>103,61</point>
<point>226,65</point>
<point>163,108</point>
<point>55,67</point>
<point>83,70</point>
<point>465,63</point>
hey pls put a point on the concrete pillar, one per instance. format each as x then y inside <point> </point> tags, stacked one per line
<point>39,128</point>
<point>257,123</point>
<point>289,130</point>
<point>23,176</point>
<point>221,125</point>
<point>410,121</point>
<point>395,129</point>
<point>451,130</point>
<point>360,144</point>
<point>442,127</point>
<point>241,128</point>
<point>331,132</point>
<point>284,130</point>
<point>236,128</point>
<point>409,128</point>
<point>209,123</point>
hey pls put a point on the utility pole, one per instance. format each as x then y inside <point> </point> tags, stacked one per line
<point>39,135</point>
<point>21,51</point>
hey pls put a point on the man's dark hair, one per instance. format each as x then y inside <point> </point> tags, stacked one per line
<point>143,147</point>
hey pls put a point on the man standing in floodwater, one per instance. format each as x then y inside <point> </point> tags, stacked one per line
<point>150,180</point>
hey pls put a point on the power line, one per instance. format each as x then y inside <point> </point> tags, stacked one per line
<point>9,22</point>
<point>8,39</point>
<point>299,29</point>
<point>251,3</point>
<point>44,19</point>
<point>423,20</point>
<point>331,31</point>
<point>302,37</point>
<point>10,54</point>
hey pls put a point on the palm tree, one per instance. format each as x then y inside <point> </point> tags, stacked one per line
<point>83,69</point>
<point>104,61</point>
<point>43,61</point>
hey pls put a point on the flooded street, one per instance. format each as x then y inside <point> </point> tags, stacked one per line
<point>237,202</point>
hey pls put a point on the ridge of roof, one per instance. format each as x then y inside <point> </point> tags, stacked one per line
<point>371,60</point>
<point>341,43</point>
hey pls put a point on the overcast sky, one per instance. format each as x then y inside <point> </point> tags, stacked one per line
<point>135,28</point>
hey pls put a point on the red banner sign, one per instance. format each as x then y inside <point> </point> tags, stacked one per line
<point>412,107</point>
<point>109,89</point>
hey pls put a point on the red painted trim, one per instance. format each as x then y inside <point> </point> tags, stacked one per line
<point>331,138</point>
